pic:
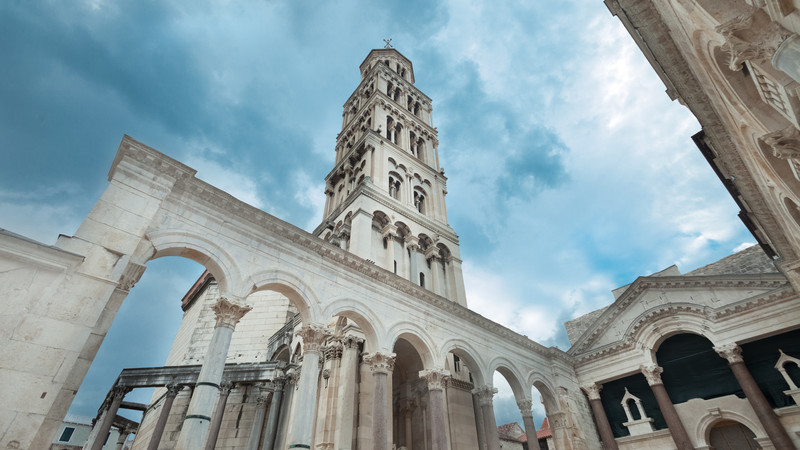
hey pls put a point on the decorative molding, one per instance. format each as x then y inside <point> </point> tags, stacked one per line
<point>760,45</point>
<point>785,143</point>
<point>485,394</point>
<point>525,407</point>
<point>436,379</point>
<point>380,363</point>
<point>228,313</point>
<point>592,390</point>
<point>130,276</point>
<point>313,336</point>
<point>652,373</point>
<point>351,342</point>
<point>732,352</point>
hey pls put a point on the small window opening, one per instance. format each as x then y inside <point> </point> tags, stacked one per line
<point>456,364</point>
<point>66,435</point>
<point>395,266</point>
<point>422,279</point>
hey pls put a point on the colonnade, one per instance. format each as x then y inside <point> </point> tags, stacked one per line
<point>652,373</point>
<point>314,419</point>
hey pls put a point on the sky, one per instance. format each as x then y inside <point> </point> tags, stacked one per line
<point>570,172</point>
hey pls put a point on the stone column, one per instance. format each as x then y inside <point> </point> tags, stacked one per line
<point>412,243</point>
<point>219,412</point>
<point>389,232</point>
<point>313,336</point>
<point>258,420</point>
<point>370,156</point>
<point>527,419</point>
<point>766,415</point>
<point>676,429</point>
<point>479,425</point>
<point>604,427</point>
<point>328,200</point>
<point>123,436</point>
<point>155,438</point>
<point>432,255</point>
<point>485,394</point>
<point>381,365</point>
<point>436,380</point>
<point>206,391</point>
<point>274,414</point>
<point>345,409</point>
<point>114,400</point>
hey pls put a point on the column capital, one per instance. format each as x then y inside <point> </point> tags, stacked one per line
<point>173,389</point>
<point>485,394</point>
<point>412,242</point>
<point>226,387</point>
<point>262,399</point>
<point>525,407</point>
<point>389,231</point>
<point>380,362</point>
<point>119,391</point>
<point>351,342</point>
<point>593,390</point>
<point>731,352</point>
<point>313,335</point>
<point>435,378</point>
<point>653,374</point>
<point>333,350</point>
<point>229,313</point>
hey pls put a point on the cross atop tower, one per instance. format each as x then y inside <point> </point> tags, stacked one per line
<point>388,43</point>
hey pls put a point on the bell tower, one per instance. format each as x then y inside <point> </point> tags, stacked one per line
<point>385,197</point>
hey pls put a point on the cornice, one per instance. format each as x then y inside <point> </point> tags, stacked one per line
<point>783,293</point>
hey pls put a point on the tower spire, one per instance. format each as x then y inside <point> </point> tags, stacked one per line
<point>385,197</point>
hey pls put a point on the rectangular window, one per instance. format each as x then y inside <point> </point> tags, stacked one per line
<point>66,435</point>
<point>456,363</point>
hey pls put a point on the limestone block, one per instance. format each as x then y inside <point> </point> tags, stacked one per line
<point>47,332</point>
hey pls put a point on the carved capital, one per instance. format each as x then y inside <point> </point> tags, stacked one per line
<point>745,42</point>
<point>380,362</point>
<point>432,253</point>
<point>333,350</point>
<point>389,232</point>
<point>132,273</point>
<point>228,313</point>
<point>485,394</point>
<point>592,390</point>
<point>120,391</point>
<point>262,399</point>
<point>731,352</point>
<point>653,374</point>
<point>313,336</point>
<point>525,407</point>
<point>351,342</point>
<point>436,379</point>
<point>412,242</point>
<point>785,143</point>
<point>226,387</point>
<point>173,390</point>
<point>557,420</point>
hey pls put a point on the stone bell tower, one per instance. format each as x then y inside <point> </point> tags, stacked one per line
<point>385,197</point>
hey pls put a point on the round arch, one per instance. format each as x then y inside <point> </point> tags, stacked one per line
<point>418,338</point>
<point>466,352</point>
<point>296,290</point>
<point>649,333</point>
<point>201,250</point>
<point>546,390</point>
<point>363,316</point>
<point>508,370</point>
<point>702,430</point>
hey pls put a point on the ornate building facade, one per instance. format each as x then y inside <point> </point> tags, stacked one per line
<point>358,336</point>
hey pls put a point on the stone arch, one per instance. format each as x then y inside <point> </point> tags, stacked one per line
<point>702,429</point>
<point>508,370</point>
<point>201,250</point>
<point>293,287</point>
<point>675,319</point>
<point>546,390</point>
<point>282,353</point>
<point>418,338</point>
<point>466,352</point>
<point>363,316</point>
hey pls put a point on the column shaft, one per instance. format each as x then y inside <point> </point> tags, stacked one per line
<point>674,423</point>
<point>490,426</point>
<point>258,422</point>
<point>380,412</point>
<point>300,436</point>
<point>766,415</point>
<point>479,423</point>
<point>118,394</point>
<point>438,419</point>
<point>345,409</point>
<point>216,422</point>
<point>436,272</point>
<point>158,431</point>
<point>274,415</point>
<point>606,434</point>
<point>206,391</point>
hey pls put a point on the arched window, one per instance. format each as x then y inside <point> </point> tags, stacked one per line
<point>394,187</point>
<point>389,128</point>
<point>397,129</point>
<point>389,89</point>
<point>416,109</point>
<point>419,201</point>
<point>412,139</point>
<point>422,279</point>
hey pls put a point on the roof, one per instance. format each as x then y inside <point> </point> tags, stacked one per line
<point>545,431</point>
<point>749,261</point>
<point>512,432</point>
